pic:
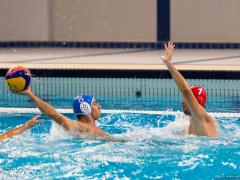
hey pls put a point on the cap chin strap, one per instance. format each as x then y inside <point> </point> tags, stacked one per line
<point>91,118</point>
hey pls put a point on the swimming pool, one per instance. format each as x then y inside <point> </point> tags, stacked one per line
<point>157,148</point>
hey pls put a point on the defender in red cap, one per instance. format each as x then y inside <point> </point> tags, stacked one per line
<point>194,100</point>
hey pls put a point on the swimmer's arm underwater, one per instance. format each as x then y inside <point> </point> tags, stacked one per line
<point>21,129</point>
<point>105,138</point>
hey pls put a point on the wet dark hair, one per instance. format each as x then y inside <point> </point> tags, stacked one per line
<point>79,116</point>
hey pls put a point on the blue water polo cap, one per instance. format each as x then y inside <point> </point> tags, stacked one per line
<point>83,104</point>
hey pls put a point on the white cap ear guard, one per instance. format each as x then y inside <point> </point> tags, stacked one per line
<point>83,104</point>
<point>85,108</point>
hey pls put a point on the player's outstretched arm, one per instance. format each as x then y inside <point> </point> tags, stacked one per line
<point>181,83</point>
<point>16,131</point>
<point>49,110</point>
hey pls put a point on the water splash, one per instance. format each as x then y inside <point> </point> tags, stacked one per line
<point>158,146</point>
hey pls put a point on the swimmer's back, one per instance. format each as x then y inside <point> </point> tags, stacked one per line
<point>206,126</point>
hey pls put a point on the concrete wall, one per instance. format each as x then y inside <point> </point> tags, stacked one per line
<point>205,21</point>
<point>117,20</point>
<point>104,20</point>
<point>24,20</point>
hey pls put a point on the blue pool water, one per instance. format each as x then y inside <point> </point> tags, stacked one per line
<point>157,147</point>
<point>214,103</point>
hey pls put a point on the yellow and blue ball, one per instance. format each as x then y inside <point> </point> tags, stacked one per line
<point>18,78</point>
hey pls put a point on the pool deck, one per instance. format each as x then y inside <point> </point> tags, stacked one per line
<point>72,58</point>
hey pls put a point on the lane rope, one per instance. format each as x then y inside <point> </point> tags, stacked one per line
<point>113,111</point>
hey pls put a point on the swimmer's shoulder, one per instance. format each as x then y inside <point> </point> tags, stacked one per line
<point>211,119</point>
<point>80,126</point>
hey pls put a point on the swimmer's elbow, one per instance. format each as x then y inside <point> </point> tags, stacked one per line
<point>186,91</point>
<point>53,114</point>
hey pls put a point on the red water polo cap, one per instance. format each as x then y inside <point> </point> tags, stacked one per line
<point>200,94</point>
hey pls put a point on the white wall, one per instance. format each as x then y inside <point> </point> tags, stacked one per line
<point>117,20</point>
<point>104,20</point>
<point>24,20</point>
<point>205,20</point>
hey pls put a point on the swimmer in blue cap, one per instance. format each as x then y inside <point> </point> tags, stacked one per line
<point>82,107</point>
<point>16,131</point>
<point>87,111</point>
